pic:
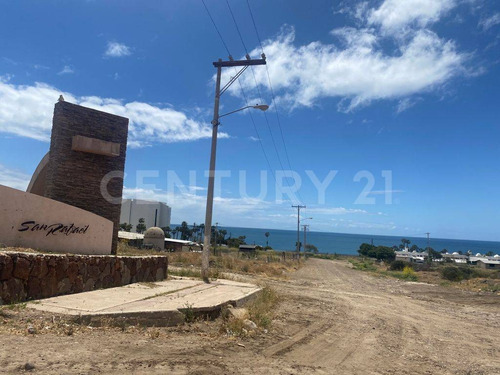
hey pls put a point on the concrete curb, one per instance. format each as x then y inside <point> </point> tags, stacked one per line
<point>166,303</point>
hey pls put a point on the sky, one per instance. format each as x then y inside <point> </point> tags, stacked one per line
<point>384,115</point>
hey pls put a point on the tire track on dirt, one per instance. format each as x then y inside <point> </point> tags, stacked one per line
<point>364,324</point>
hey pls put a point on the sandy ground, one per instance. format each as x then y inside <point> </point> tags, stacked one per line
<point>331,320</point>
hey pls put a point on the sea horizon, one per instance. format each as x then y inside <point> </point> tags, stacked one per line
<point>348,243</point>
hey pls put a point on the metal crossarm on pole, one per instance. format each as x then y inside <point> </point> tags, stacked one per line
<point>223,64</point>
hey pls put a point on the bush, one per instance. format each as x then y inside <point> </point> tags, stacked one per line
<point>398,265</point>
<point>452,273</point>
<point>378,252</point>
<point>409,274</point>
<point>363,266</point>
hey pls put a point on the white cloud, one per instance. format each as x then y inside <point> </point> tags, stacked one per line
<point>6,78</point>
<point>14,179</point>
<point>116,49</point>
<point>489,22</point>
<point>353,224</point>
<point>391,54</point>
<point>66,70</point>
<point>27,111</point>
<point>404,104</point>
<point>255,139</point>
<point>191,206</point>
<point>395,15</point>
<point>357,74</point>
<point>335,211</point>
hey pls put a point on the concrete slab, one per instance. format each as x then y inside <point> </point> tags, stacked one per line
<point>158,303</point>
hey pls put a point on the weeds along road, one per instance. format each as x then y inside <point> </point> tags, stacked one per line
<point>331,320</point>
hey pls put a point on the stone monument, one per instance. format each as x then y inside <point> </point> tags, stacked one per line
<point>85,164</point>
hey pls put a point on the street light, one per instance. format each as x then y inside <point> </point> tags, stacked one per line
<point>205,258</point>
<point>262,107</point>
<point>215,123</point>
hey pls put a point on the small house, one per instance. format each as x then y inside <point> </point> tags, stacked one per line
<point>247,248</point>
<point>489,264</point>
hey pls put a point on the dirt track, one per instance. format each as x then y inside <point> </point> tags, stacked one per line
<point>332,320</point>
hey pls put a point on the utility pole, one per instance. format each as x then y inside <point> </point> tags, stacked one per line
<point>306,227</point>
<point>215,125</point>
<point>428,248</point>
<point>298,226</point>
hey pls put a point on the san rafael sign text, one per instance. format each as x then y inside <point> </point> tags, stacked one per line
<point>52,229</point>
<point>31,221</point>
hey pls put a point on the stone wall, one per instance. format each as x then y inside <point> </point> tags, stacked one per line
<point>25,276</point>
<point>74,177</point>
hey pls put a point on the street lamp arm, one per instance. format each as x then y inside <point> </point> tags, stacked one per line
<point>262,107</point>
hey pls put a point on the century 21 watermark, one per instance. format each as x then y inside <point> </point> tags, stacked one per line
<point>287,184</point>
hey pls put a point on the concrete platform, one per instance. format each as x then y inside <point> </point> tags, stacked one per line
<point>163,303</point>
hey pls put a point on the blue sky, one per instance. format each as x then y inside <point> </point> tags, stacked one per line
<point>396,97</point>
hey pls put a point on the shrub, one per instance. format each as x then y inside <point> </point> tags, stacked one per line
<point>464,273</point>
<point>378,252</point>
<point>452,273</point>
<point>363,266</point>
<point>262,309</point>
<point>398,265</point>
<point>409,274</point>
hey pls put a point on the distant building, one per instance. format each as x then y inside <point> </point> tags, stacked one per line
<point>136,239</point>
<point>134,209</point>
<point>488,264</point>
<point>456,257</point>
<point>248,248</point>
<point>411,256</point>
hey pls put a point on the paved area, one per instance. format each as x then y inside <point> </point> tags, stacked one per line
<point>161,303</point>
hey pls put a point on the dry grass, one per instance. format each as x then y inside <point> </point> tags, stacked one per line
<point>480,280</point>
<point>260,310</point>
<point>267,264</point>
<point>126,250</point>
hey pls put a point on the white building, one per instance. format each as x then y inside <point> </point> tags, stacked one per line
<point>151,211</point>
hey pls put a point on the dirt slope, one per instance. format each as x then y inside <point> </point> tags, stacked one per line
<point>332,320</point>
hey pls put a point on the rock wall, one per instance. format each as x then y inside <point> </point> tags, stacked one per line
<point>26,276</point>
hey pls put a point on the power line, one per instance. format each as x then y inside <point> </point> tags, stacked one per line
<point>256,85</point>
<point>237,28</point>
<point>216,28</point>
<point>260,97</point>
<point>272,94</point>
<point>254,25</point>
<point>258,135</point>
<point>258,89</point>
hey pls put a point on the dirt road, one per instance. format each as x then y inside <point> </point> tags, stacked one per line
<point>332,320</point>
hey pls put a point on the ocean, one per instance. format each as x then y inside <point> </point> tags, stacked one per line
<point>343,243</point>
